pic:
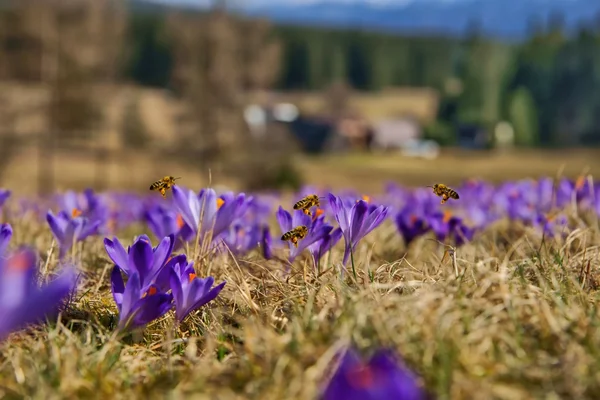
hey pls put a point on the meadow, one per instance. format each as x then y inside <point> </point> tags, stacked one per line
<point>492,296</point>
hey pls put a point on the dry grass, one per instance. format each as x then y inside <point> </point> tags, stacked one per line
<point>519,322</point>
<point>370,172</point>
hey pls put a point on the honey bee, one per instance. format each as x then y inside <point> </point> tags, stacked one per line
<point>295,234</point>
<point>444,192</point>
<point>305,204</point>
<point>164,184</point>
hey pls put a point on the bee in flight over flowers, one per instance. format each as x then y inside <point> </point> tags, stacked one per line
<point>444,192</point>
<point>305,204</point>
<point>296,234</point>
<point>164,184</point>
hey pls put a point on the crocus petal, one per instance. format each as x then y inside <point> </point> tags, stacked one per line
<point>284,219</point>
<point>117,286</point>
<point>57,226</point>
<point>188,205</point>
<point>117,253</point>
<point>140,258</point>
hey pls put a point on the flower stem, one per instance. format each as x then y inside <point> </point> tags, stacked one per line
<point>352,261</point>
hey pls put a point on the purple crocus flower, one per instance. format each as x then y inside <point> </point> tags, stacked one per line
<point>322,246</point>
<point>5,236</point>
<point>22,302</point>
<point>218,212</point>
<point>4,195</point>
<point>67,230</point>
<point>381,378</point>
<point>288,222</point>
<point>551,224</point>
<point>189,291</point>
<point>411,225</point>
<point>137,306</point>
<point>267,242</point>
<point>356,222</point>
<point>150,264</point>
<point>446,225</point>
<point>243,238</point>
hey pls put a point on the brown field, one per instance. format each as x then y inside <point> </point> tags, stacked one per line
<point>364,172</point>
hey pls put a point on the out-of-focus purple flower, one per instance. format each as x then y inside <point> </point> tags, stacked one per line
<point>22,302</point>
<point>137,306</point>
<point>189,291</point>
<point>267,243</point>
<point>4,195</point>
<point>288,222</point>
<point>383,377</point>
<point>242,238</point>
<point>551,224</point>
<point>411,225</point>
<point>356,221</point>
<point>6,233</point>
<point>67,230</point>
<point>218,213</point>
<point>88,205</point>
<point>446,225</point>
<point>150,264</point>
<point>322,246</point>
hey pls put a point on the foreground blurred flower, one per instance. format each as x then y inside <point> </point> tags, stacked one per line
<point>68,230</point>
<point>381,378</point>
<point>189,291</point>
<point>137,307</point>
<point>218,213</point>
<point>150,264</point>
<point>5,235</point>
<point>316,231</point>
<point>356,222</point>
<point>21,301</point>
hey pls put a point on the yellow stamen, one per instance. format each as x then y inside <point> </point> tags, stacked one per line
<point>180,221</point>
<point>150,292</point>
<point>447,216</point>
<point>366,198</point>
<point>413,219</point>
<point>75,213</point>
<point>318,213</point>
<point>220,202</point>
<point>191,276</point>
<point>580,182</point>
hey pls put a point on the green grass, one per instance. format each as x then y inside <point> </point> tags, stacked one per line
<point>519,322</point>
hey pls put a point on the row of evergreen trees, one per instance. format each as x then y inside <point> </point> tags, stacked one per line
<point>548,87</point>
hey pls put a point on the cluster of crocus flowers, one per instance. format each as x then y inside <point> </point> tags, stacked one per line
<point>205,212</point>
<point>157,282</point>
<point>22,301</point>
<point>381,377</point>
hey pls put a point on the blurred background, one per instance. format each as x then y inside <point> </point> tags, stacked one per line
<point>260,95</point>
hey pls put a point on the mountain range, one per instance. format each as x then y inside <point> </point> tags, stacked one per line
<point>506,19</point>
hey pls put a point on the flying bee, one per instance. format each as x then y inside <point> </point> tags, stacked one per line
<point>305,204</point>
<point>444,192</point>
<point>164,184</point>
<point>295,234</point>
